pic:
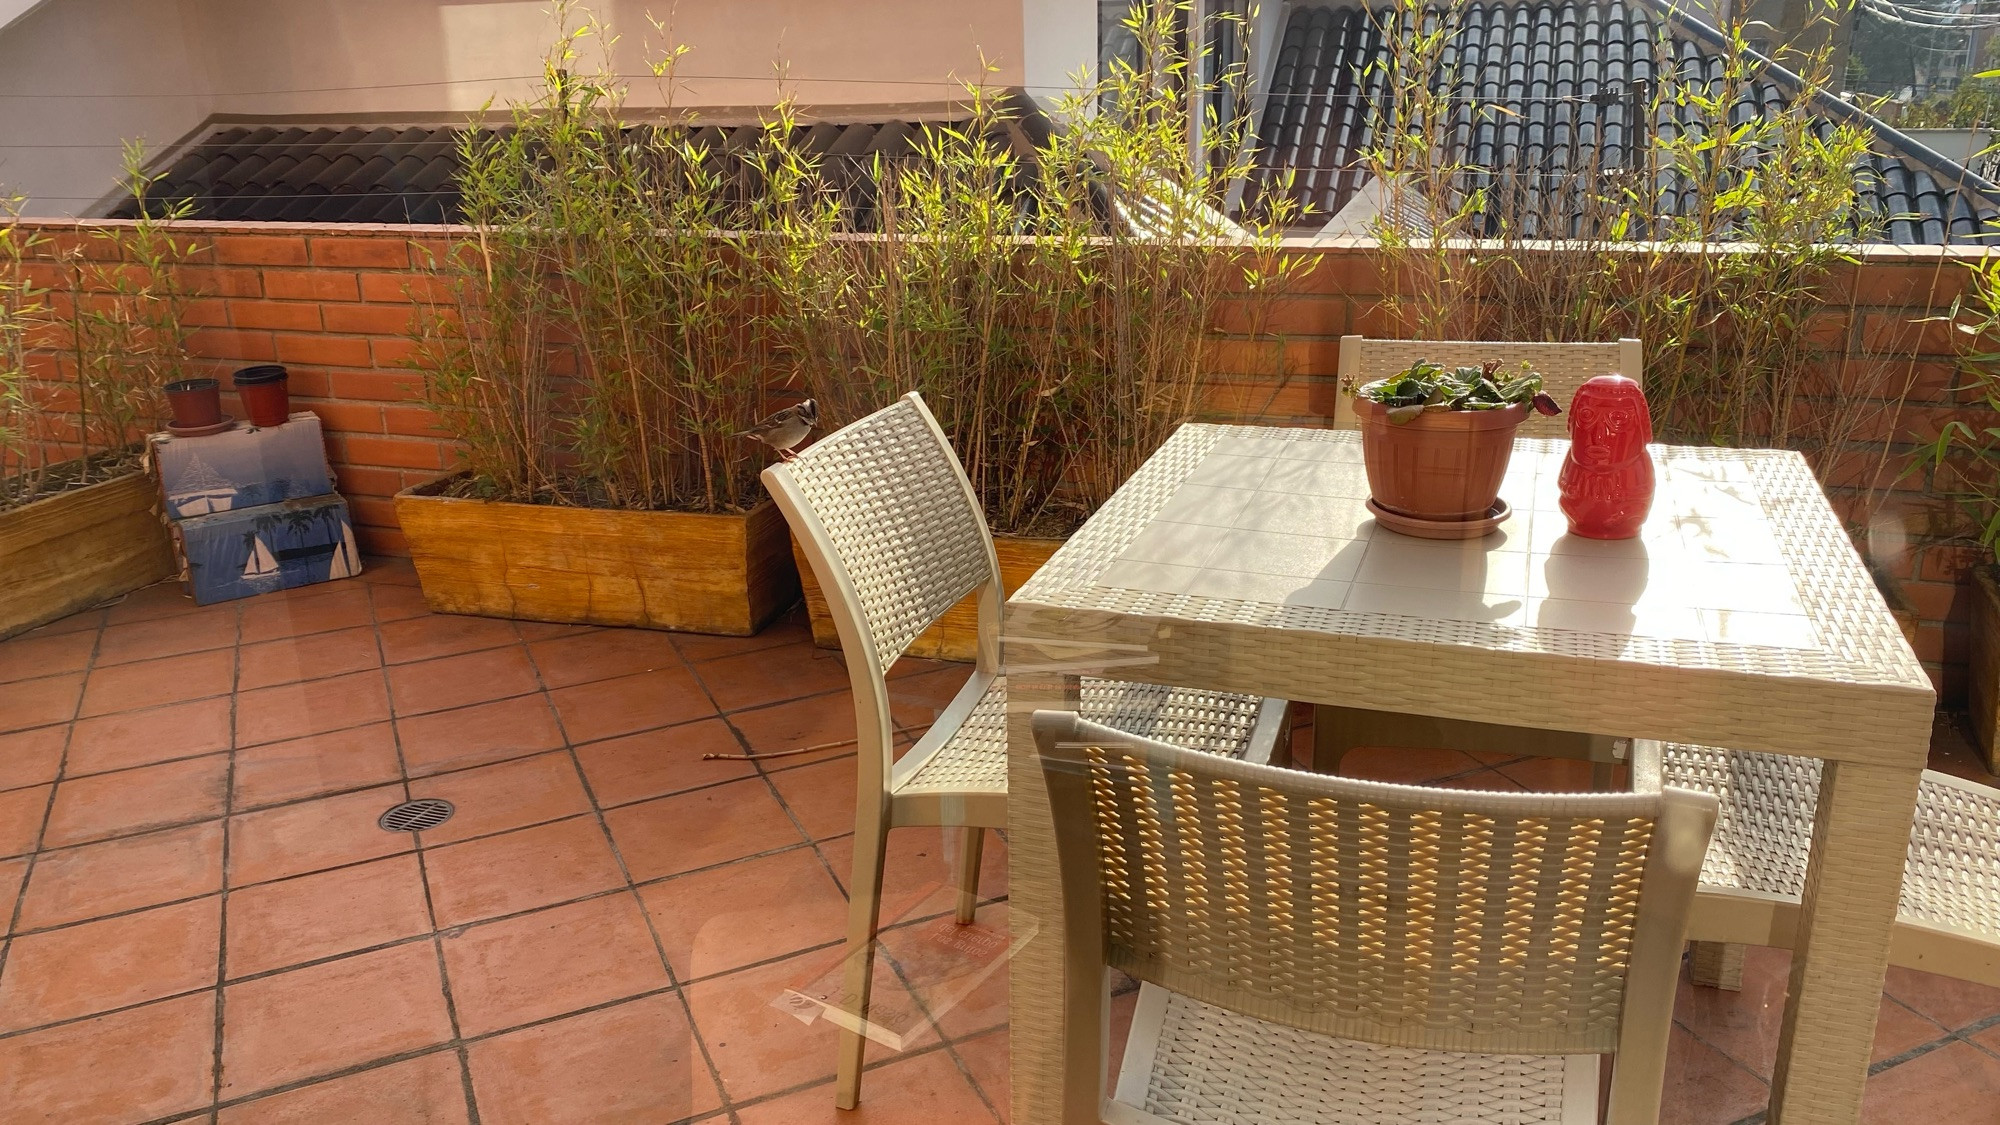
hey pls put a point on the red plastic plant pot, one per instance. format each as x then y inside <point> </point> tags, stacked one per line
<point>266,398</point>
<point>195,403</point>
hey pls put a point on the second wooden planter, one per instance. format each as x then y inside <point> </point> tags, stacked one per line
<point>724,574</point>
<point>75,549</point>
<point>956,634</point>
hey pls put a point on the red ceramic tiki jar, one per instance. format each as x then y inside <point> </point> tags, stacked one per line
<point>1607,479</point>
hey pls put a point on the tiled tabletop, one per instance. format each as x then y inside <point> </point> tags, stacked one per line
<point>1284,522</point>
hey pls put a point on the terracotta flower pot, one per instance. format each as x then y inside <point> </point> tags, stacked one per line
<point>266,398</point>
<point>1442,465</point>
<point>195,402</point>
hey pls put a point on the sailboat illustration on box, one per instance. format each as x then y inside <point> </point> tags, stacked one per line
<point>200,490</point>
<point>261,563</point>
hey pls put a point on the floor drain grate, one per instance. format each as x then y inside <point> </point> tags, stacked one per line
<point>415,816</point>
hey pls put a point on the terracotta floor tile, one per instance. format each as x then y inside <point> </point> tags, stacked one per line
<point>786,630</point>
<point>655,763</point>
<point>73,884</point>
<point>275,714</point>
<point>314,657</point>
<point>129,1066</point>
<point>1953,1003</point>
<point>272,925</point>
<point>456,681</point>
<point>210,628</point>
<point>12,872</point>
<point>315,764</point>
<point>821,796</point>
<point>110,963</point>
<point>772,675</point>
<point>313,836</point>
<point>397,603</point>
<point>1491,780</point>
<point>759,1048</point>
<point>914,1091</point>
<point>518,970</point>
<point>931,689</point>
<point>1745,1025</point>
<point>469,736</point>
<point>669,835</point>
<point>1704,1088</point>
<point>315,609</point>
<point>603,655</point>
<point>935,965</point>
<point>986,1057</point>
<point>21,815</point>
<point>727,917</point>
<point>30,657</point>
<point>141,738</point>
<point>534,631</point>
<point>609,708</point>
<point>427,1090</point>
<point>31,757</point>
<point>162,599</point>
<point>151,683</point>
<point>119,804</point>
<point>826,720</point>
<point>40,703</point>
<point>917,879</point>
<point>389,570</point>
<point>632,1064</point>
<point>1553,775</point>
<point>1957,1082</point>
<point>520,870</point>
<point>444,634</point>
<point>508,795</point>
<point>1404,765</point>
<point>331,1016</point>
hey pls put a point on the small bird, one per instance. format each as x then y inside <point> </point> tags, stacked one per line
<point>786,428</point>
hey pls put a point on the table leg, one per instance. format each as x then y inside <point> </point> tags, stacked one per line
<point>1034,899</point>
<point>1841,953</point>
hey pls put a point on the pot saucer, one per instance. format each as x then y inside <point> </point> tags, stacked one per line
<point>1441,529</point>
<point>227,423</point>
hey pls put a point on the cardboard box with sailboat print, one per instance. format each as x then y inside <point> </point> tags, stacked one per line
<point>242,468</point>
<point>235,554</point>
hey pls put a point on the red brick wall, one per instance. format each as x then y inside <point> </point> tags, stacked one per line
<point>334,304</point>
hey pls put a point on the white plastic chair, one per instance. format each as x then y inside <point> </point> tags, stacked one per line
<point>1322,949</point>
<point>1948,917</point>
<point>890,525</point>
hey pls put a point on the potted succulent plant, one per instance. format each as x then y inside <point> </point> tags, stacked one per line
<point>1436,442</point>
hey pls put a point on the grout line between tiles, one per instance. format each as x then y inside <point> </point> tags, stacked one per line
<point>631,887</point>
<point>222,903</point>
<point>48,807</point>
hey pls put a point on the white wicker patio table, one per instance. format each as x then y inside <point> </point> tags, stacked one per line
<point>1243,559</point>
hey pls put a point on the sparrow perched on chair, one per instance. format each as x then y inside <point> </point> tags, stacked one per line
<point>786,428</point>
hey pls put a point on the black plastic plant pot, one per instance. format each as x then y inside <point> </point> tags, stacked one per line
<point>195,403</point>
<point>265,394</point>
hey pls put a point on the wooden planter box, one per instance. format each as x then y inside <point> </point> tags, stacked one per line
<point>727,574</point>
<point>956,634</point>
<point>1983,677</point>
<point>75,549</point>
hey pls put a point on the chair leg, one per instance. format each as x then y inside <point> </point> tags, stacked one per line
<point>970,845</point>
<point>1717,964</point>
<point>864,903</point>
<point>1328,749</point>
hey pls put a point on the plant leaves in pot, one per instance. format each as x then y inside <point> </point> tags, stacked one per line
<point>1436,440</point>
